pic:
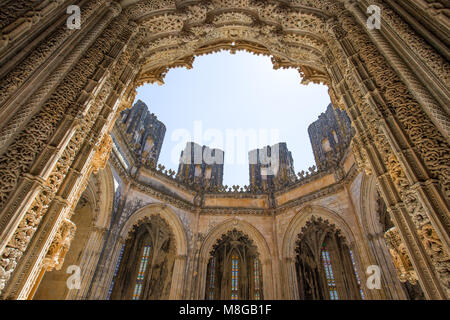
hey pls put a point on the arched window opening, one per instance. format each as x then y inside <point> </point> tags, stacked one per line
<point>140,277</point>
<point>146,265</point>
<point>325,269</point>
<point>234,270</point>
<point>356,274</point>
<point>329,273</point>
<point>235,278</point>
<point>115,271</point>
<point>256,274</point>
<point>212,278</point>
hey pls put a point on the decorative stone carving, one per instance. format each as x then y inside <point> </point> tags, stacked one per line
<point>398,251</point>
<point>51,138</point>
<point>60,245</point>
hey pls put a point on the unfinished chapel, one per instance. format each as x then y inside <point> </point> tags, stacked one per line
<point>88,211</point>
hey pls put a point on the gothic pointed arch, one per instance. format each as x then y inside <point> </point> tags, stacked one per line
<point>289,246</point>
<point>153,237</point>
<point>234,269</point>
<point>252,234</point>
<point>303,214</point>
<point>62,91</point>
<point>325,264</point>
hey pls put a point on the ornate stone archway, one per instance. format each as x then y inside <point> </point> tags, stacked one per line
<point>62,89</point>
<point>373,229</point>
<point>289,244</point>
<point>253,234</point>
<point>174,223</point>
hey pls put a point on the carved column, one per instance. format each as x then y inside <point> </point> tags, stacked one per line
<point>25,105</point>
<point>178,278</point>
<point>359,78</point>
<point>22,79</point>
<point>20,16</point>
<point>434,70</point>
<point>73,179</point>
<point>290,279</point>
<point>427,189</point>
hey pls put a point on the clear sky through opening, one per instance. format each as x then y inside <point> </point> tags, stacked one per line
<point>235,102</point>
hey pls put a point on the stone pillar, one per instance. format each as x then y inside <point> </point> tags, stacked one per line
<point>359,76</point>
<point>268,280</point>
<point>290,286</point>
<point>89,262</point>
<point>201,278</point>
<point>178,278</point>
<point>47,159</point>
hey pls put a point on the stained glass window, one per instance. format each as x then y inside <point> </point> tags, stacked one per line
<point>356,274</point>
<point>141,274</point>
<point>234,278</point>
<point>256,278</point>
<point>116,270</point>
<point>329,273</point>
<point>212,279</point>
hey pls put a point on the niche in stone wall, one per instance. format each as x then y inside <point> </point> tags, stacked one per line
<point>325,264</point>
<point>146,266</point>
<point>234,269</point>
<point>53,285</point>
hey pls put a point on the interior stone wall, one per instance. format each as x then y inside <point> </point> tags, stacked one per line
<point>63,89</point>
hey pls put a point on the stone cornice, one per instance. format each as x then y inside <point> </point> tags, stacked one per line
<point>181,203</point>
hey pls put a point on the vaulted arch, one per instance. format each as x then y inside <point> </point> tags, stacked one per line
<point>253,234</point>
<point>179,236</point>
<point>289,244</point>
<point>168,215</point>
<point>302,216</point>
<point>62,91</point>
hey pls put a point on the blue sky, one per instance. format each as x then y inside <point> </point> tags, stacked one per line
<point>235,103</point>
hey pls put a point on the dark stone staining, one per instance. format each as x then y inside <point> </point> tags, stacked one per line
<point>265,173</point>
<point>201,165</point>
<point>144,131</point>
<point>330,137</point>
<point>156,280</point>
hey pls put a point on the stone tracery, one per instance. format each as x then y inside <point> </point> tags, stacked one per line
<point>46,147</point>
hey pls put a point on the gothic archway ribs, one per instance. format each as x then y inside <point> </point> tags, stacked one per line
<point>156,283</point>
<point>318,241</point>
<point>400,126</point>
<point>234,245</point>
